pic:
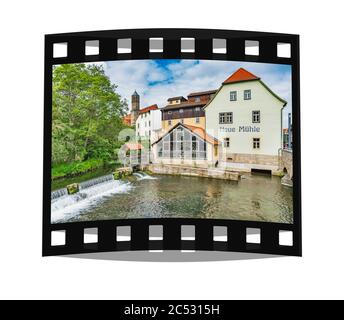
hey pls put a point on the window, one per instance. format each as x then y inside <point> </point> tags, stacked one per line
<point>150,133</point>
<point>197,109</point>
<point>247,94</point>
<point>169,122</point>
<point>226,117</point>
<point>149,123</point>
<point>233,96</point>
<point>256,143</point>
<point>197,99</point>
<point>182,121</point>
<point>194,147</point>
<point>256,116</point>
<point>169,112</point>
<point>146,124</point>
<point>226,142</point>
<point>138,126</point>
<point>197,120</point>
<point>181,110</point>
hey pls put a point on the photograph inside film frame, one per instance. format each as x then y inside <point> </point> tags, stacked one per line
<point>172,139</point>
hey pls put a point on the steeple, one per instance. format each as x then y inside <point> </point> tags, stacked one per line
<point>135,107</point>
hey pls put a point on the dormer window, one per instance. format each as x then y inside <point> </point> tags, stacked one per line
<point>169,112</point>
<point>197,109</point>
<point>181,110</point>
<point>197,99</point>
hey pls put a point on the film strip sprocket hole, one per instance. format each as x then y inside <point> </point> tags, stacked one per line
<point>185,234</point>
<point>216,46</point>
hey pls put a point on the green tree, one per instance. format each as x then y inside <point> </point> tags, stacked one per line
<point>86,116</point>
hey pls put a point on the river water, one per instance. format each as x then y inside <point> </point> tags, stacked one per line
<point>254,198</point>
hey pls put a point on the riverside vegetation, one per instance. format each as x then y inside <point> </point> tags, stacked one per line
<point>86,120</point>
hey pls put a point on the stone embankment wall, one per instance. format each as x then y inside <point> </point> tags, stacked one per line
<point>287,165</point>
<point>193,171</point>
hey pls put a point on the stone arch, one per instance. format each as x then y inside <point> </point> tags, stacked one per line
<point>287,167</point>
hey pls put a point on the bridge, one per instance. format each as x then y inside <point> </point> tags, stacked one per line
<point>287,167</point>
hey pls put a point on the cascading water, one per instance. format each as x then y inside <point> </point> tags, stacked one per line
<point>59,193</point>
<point>143,176</point>
<point>91,192</point>
<point>92,182</point>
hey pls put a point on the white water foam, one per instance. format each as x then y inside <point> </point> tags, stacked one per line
<point>68,206</point>
<point>143,176</point>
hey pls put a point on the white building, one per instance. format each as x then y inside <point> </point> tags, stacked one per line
<point>148,123</point>
<point>246,118</point>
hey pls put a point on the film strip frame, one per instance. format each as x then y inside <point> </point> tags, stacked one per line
<point>237,231</point>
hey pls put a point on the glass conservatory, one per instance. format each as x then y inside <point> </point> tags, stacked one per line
<point>182,143</point>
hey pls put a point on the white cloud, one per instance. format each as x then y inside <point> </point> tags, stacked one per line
<point>189,76</point>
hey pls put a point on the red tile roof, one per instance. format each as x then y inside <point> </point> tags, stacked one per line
<point>132,146</point>
<point>201,132</point>
<point>127,119</point>
<point>152,107</point>
<point>241,75</point>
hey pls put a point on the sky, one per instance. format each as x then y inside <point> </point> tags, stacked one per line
<point>157,80</point>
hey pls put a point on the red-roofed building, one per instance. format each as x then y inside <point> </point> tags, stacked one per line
<point>147,109</point>
<point>187,111</point>
<point>240,75</point>
<point>245,115</point>
<point>148,123</point>
<point>127,120</point>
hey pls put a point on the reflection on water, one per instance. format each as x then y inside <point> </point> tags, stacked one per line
<point>255,198</point>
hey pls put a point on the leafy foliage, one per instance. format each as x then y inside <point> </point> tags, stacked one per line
<point>74,168</point>
<point>87,118</point>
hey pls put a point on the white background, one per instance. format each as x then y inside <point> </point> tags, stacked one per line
<point>25,274</point>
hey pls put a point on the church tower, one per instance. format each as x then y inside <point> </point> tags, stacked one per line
<point>135,107</point>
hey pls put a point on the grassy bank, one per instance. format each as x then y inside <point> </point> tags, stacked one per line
<point>64,170</point>
<point>67,173</point>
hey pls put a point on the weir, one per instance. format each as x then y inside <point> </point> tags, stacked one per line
<point>72,205</point>
<point>58,193</point>
<point>142,175</point>
<point>93,182</point>
<point>66,206</point>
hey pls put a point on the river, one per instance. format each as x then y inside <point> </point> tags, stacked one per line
<point>254,198</point>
